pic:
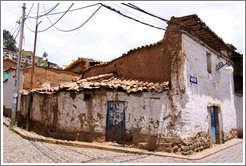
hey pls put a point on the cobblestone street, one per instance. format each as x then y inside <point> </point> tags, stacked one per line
<point>19,150</point>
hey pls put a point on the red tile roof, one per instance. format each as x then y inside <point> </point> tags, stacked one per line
<point>109,81</point>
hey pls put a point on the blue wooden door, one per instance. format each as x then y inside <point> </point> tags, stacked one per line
<point>213,124</point>
<point>115,123</point>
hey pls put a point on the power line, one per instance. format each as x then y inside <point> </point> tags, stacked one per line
<point>78,26</point>
<point>138,16</point>
<point>35,17</point>
<point>17,33</point>
<point>30,10</point>
<point>16,28</point>
<point>48,13</point>
<point>114,10</point>
<point>139,9</point>
<point>57,20</point>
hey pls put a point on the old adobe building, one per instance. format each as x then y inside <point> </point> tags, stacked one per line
<point>42,76</point>
<point>167,96</point>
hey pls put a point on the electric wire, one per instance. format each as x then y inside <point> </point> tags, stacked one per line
<point>138,16</point>
<point>76,27</point>
<point>114,10</point>
<point>17,33</point>
<point>76,9</point>
<point>67,11</point>
<point>13,28</point>
<point>16,29</point>
<point>57,20</point>
<point>35,17</point>
<point>139,9</point>
<point>29,10</point>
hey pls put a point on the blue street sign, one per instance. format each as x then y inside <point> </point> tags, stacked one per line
<point>193,80</point>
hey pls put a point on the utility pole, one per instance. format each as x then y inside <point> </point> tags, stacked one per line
<point>34,49</point>
<point>17,74</point>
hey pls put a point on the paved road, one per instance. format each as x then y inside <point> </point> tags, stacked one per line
<point>19,150</point>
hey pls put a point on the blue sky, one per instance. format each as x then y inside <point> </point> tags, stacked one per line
<point>108,35</point>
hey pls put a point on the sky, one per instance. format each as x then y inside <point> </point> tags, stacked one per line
<point>108,35</point>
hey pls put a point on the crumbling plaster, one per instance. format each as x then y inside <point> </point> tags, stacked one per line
<point>211,89</point>
<point>141,110</point>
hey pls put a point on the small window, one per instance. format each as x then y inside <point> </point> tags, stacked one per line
<point>209,63</point>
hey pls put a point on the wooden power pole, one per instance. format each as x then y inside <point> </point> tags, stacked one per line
<point>34,50</point>
<point>17,75</point>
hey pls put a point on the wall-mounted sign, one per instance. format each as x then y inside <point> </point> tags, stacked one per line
<point>193,79</point>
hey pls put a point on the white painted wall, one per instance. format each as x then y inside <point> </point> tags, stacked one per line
<point>8,89</point>
<point>148,106</point>
<point>216,88</point>
<point>240,113</point>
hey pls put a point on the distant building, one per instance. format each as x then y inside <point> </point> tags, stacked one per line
<point>8,62</point>
<point>26,59</point>
<point>81,64</point>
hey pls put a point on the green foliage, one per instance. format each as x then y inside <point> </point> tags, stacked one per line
<point>45,64</point>
<point>23,54</point>
<point>11,128</point>
<point>9,41</point>
<point>36,63</point>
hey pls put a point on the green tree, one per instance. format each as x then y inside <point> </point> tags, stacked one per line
<point>9,41</point>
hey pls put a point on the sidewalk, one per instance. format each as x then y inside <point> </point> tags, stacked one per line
<point>116,147</point>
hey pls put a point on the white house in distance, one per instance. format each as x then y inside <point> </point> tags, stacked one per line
<point>173,95</point>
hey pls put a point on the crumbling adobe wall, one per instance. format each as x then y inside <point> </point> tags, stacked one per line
<point>47,75</point>
<point>39,113</point>
<point>150,63</point>
<point>100,69</point>
<point>81,115</point>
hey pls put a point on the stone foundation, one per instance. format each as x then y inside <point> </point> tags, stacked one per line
<point>229,135</point>
<point>175,144</point>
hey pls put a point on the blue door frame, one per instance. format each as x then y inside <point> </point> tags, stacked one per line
<point>213,124</point>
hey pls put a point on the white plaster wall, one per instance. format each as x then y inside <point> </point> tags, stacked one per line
<point>240,113</point>
<point>141,110</point>
<point>216,88</point>
<point>8,90</point>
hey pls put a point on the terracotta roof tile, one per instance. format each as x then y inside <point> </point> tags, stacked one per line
<point>109,81</point>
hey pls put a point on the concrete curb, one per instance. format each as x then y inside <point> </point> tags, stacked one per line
<point>27,135</point>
